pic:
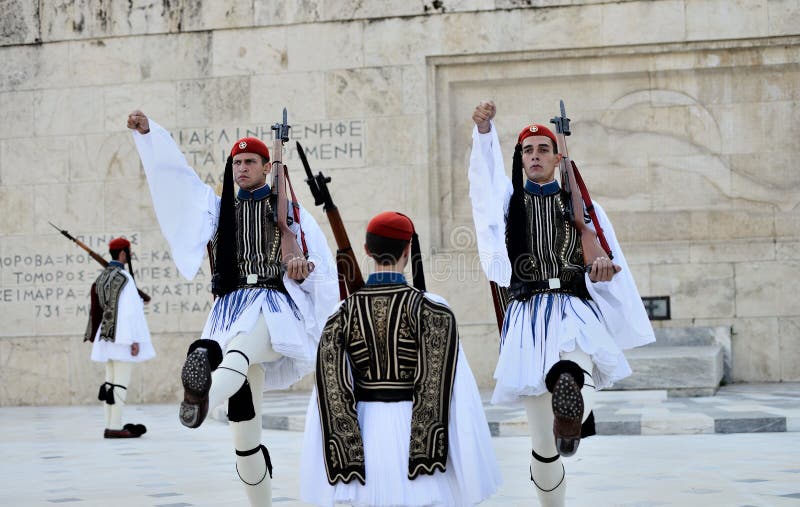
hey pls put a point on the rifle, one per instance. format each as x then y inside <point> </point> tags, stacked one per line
<point>289,247</point>
<point>94,255</point>
<point>350,279</point>
<point>593,243</point>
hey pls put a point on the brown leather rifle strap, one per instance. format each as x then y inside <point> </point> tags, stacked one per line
<point>587,203</point>
<point>296,211</point>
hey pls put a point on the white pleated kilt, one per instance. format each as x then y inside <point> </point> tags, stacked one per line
<point>537,331</point>
<point>289,332</point>
<point>472,474</point>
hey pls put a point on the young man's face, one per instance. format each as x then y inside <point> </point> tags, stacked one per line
<point>249,172</point>
<point>539,159</point>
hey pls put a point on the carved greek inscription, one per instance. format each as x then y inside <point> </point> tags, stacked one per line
<point>329,144</point>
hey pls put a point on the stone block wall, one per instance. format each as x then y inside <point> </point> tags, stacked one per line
<point>685,119</point>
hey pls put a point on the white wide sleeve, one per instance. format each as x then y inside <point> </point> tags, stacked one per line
<point>187,209</point>
<point>619,300</point>
<point>490,191</point>
<point>320,290</point>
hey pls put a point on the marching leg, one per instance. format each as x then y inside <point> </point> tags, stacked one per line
<point>118,393</point>
<point>252,458</point>
<point>587,391</point>
<point>103,392</point>
<point>546,470</point>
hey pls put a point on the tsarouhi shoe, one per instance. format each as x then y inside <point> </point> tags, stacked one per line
<point>568,414</point>
<point>196,379</point>
<point>137,429</point>
<point>123,433</point>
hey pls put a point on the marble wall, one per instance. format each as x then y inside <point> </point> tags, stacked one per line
<point>685,119</point>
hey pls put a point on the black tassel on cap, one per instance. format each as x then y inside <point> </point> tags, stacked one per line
<point>417,274</point>
<point>226,255</point>
<point>516,230</point>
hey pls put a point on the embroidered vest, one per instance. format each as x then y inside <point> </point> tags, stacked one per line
<point>258,241</point>
<point>396,345</point>
<point>108,286</point>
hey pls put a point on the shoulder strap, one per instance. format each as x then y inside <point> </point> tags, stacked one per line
<point>296,211</point>
<point>587,203</point>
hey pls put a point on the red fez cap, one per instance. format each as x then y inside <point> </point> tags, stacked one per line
<point>119,244</point>
<point>250,145</point>
<point>391,224</point>
<point>536,130</point>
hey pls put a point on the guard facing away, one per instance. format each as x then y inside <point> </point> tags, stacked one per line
<point>396,418</point>
<point>273,276</point>
<point>571,309</point>
<point>118,330</point>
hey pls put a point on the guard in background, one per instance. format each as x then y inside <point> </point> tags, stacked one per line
<point>396,417</point>
<point>564,328</point>
<point>118,330</point>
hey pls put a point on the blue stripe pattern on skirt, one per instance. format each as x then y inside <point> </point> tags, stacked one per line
<point>515,312</point>
<point>230,307</point>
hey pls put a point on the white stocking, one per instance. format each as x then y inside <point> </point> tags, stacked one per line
<point>121,378</point>
<point>548,477</point>
<point>246,437</point>
<point>229,376</point>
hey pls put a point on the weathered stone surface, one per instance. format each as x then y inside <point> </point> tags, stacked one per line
<point>300,92</point>
<point>268,13</point>
<point>657,252</point>
<point>674,368</point>
<point>33,371</point>
<point>784,17</point>
<point>733,251</point>
<point>67,111</point>
<point>156,100</point>
<point>249,51</point>
<point>756,350</point>
<point>663,21</point>
<point>31,67</point>
<point>20,22</point>
<point>402,41</point>
<point>742,18</point>
<point>96,158</point>
<point>15,159</point>
<point>81,19</point>
<point>342,47</point>
<point>18,114</point>
<point>789,332</point>
<point>203,15</point>
<point>759,286</point>
<point>213,101</point>
<point>697,290</point>
<point>193,51</point>
<point>364,92</point>
<point>406,143</point>
<point>15,215</point>
<point>415,81</point>
<point>787,250</point>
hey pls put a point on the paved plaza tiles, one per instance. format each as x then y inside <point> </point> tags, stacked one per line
<point>747,455</point>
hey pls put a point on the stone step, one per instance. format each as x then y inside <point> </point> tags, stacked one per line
<point>680,370</point>
<point>690,336</point>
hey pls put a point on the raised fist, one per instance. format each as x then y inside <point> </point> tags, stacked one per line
<point>138,121</point>
<point>484,112</point>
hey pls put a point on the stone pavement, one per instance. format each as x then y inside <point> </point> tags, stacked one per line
<point>737,408</point>
<point>56,456</point>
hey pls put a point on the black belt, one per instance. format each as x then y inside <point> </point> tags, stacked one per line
<point>384,393</point>
<point>575,286</point>
<point>259,282</point>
